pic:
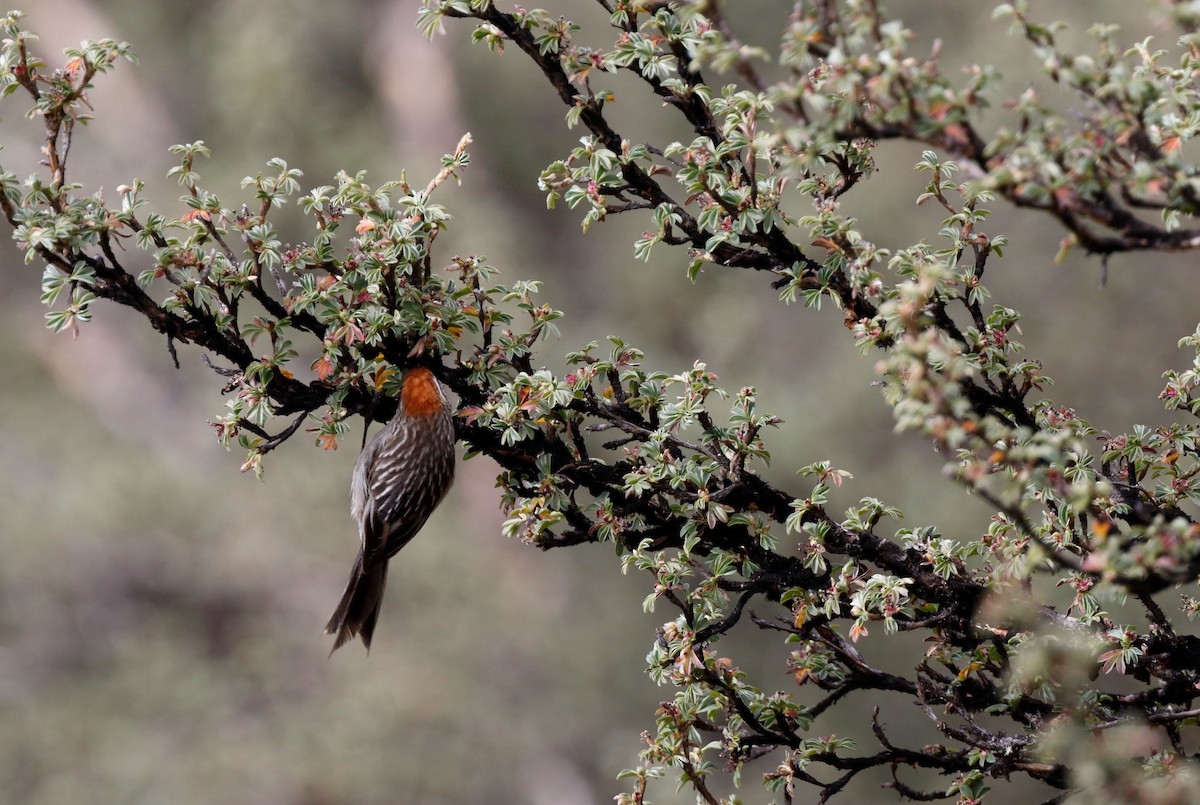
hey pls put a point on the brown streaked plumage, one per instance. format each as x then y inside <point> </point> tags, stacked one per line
<point>400,477</point>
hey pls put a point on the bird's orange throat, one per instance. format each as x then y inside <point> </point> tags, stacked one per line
<point>420,394</point>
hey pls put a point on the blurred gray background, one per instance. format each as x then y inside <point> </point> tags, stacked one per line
<point>161,613</point>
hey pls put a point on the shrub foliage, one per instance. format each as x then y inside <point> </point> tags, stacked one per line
<point>663,464</point>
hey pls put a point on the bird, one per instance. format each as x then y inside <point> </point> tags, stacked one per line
<point>399,479</point>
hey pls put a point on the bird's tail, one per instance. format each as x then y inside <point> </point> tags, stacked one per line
<point>359,608</point>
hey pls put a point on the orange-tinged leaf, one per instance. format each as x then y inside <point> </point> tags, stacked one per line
<point>1066,197</point>
<point>956,135</point>
<point>323,367</point>
<point>192,215</point>
<point>365,225</point>
<point>470,412</point>
<point>939,109</point>
<point>1112,660</point>
<point>971,668</point>
<point>686,661</point>
<point>382,376</point>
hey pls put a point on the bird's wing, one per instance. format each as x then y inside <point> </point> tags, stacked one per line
<point>407,476</point>
<point>391,483</point>
<point>360,493</point>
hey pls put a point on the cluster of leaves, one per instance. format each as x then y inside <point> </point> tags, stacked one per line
<point>615,452</point>
<point>1071,503</point>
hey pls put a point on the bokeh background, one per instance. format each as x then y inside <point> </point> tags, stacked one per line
<point>161,613</point>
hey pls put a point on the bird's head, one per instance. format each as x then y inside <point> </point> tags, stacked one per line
<point>420,394</point>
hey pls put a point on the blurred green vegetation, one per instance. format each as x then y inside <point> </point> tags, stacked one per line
<point>161,614</point>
